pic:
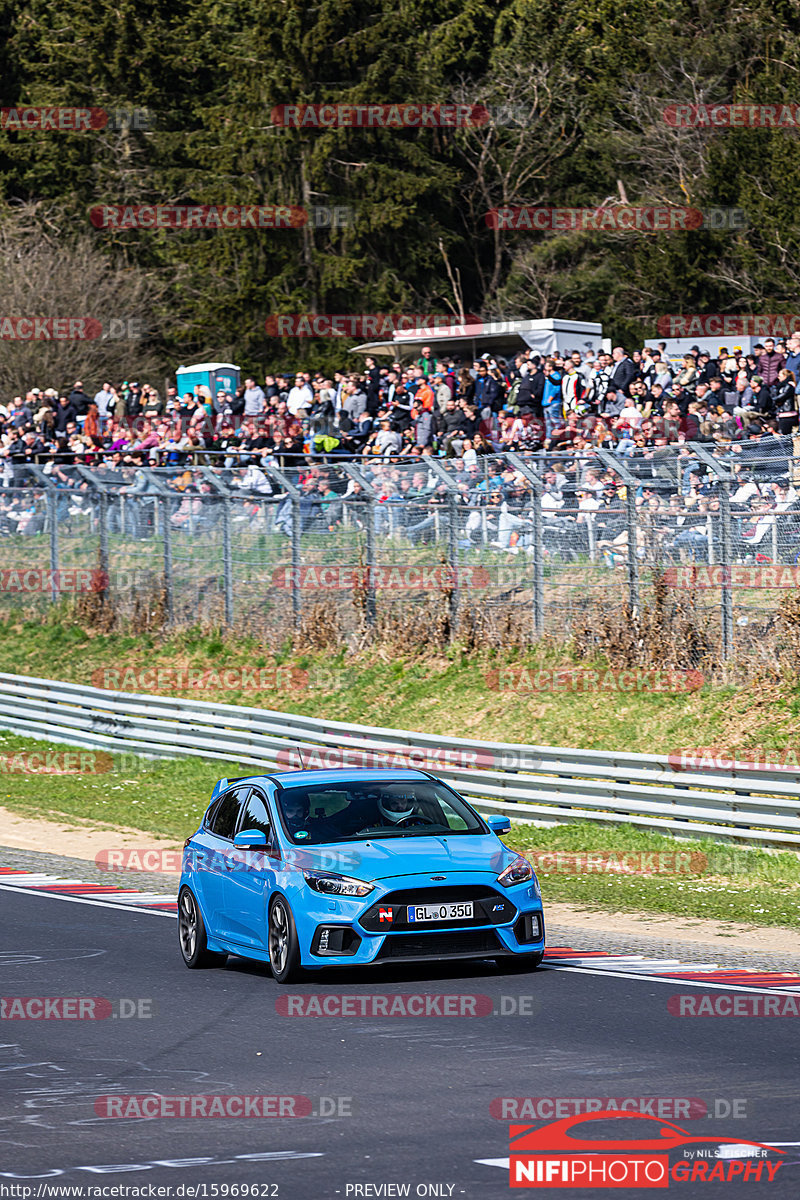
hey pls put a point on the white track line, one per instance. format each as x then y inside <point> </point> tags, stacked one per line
<point>115,907</point>
<point>609,972</point>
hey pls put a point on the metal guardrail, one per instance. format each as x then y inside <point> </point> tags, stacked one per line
<point>542,784</point>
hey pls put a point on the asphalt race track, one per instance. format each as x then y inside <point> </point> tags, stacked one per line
<point>409,1096</point>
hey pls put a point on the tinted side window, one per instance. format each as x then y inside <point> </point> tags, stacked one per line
<point>224,817</point>
<point>255,815</point>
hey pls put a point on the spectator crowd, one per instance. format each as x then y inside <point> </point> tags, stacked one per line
<point>392,418</point>
<point>632,404</point>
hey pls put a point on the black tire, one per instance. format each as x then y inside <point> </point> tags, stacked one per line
<point>520,963</point>
<point>284,950</point>
<point>192,935</point>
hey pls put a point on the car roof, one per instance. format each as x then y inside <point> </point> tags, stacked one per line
<point>344,775</point>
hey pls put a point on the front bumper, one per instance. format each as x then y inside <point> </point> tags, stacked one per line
<point>340,931</point>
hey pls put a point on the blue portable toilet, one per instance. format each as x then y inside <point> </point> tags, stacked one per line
<point>217,377</point>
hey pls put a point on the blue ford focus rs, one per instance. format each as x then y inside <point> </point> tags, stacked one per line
<point>313,869</point>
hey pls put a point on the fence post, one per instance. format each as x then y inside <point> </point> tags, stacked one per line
<point>168,581</point>
<point>452,557</point>
<point>538,563</point>
<point>291,491</point>
<point>371,609</point>
<point>632,524</point>
<point>102,531</point>
<point>726,558</point>
<point>297,598</point>
<point>723,479</point>
<point>633,559</point>
<point>538,539</point>
<point>52,516</point>
<point>227,560</point>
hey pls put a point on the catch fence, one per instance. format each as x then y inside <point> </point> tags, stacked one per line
<point>553,542</point>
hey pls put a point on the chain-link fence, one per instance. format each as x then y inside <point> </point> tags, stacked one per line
<point>551,540</point>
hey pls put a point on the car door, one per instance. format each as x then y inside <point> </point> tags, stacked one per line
<point>251,876</point>
<point>213,849</point>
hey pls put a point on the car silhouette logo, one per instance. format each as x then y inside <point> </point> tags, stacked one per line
<point>556,1135</point>
<point>438,876</point>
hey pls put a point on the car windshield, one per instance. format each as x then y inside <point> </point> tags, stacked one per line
<point>343,812</point>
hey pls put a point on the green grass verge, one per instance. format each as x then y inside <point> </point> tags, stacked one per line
<point>167,798</point>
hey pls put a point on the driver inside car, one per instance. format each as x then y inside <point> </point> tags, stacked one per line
<point>394,808</point>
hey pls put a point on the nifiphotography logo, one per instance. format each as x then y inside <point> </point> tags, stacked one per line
<point>551,1156</point>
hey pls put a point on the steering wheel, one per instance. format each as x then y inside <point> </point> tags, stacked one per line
<point>414,819</point>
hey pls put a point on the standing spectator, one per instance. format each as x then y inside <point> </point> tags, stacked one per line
<point>254,399</point>
<point>79,400</point>
<point>623,372</point>
<point>64,414</point>
<point>793,355</point>
<point>770,363</point>
<point>300,398</point>
<point>104,399</point>
<point>551,396</point>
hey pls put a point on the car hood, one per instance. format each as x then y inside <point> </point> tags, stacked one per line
<point>386,858</point>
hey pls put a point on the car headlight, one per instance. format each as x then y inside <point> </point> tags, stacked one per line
<point>337,885</point>
<point>518,871</point>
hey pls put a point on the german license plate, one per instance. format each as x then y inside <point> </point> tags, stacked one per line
<point>439,912</point>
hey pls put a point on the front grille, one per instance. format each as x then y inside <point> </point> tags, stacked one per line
<point>391,912</point>
<point>440,945</point>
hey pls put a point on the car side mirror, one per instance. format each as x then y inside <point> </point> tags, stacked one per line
<point>499,824</point>
<point>248,839</point>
